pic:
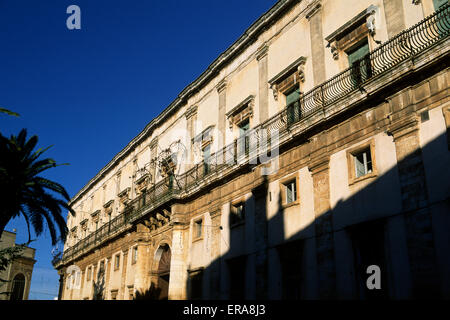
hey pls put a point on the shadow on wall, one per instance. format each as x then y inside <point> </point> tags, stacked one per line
<point>394,222</point>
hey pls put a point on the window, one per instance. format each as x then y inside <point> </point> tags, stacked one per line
<point>88,274</point>
<point>237,214</point>
<point>359,60</point>
<point>361,162</point>
<point>101,270</point>
<point>206,155</point>
<point>198,229</point>
<point>135,255</point>
<point>243,142</point>
<point>293,104</point>
<point>117,261</point>
<point>439,3</point>
<point>291,191</point>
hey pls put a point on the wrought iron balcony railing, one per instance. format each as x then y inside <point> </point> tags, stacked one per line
<point>406,45</point>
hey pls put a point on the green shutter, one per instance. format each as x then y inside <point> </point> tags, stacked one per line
<point>292,96</point>
<point>357,54</point>
<point>439,3</point>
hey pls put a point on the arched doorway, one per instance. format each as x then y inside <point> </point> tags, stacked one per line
<point>18,287</point>
<point>163,258</point>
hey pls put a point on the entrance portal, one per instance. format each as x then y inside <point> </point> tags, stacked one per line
<point>163,254</point>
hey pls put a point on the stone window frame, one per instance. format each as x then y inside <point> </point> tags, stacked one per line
<point>352,179</point>
<point>203,140</point>
<point>293,75</point>
<point>195,221</point>
<point>134,254</point>
<point>283,185</point>
<point>360,27</point>
<point>233,205</point>
<point>117,261</point>
<point>241,112</point>
<point>89,274</point>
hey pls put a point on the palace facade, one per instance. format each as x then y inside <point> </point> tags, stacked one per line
<point>316,146</point>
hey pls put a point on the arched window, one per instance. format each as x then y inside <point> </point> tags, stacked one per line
<point>18,287</point>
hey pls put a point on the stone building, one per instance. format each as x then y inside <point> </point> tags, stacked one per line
<point>18,273</point>
<point>316,146</point>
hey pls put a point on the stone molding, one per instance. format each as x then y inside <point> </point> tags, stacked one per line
<point>403,127</point>
<point>312,9</point>
<point>190,112</point>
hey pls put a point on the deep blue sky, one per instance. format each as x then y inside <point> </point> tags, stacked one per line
<point>88,92</point>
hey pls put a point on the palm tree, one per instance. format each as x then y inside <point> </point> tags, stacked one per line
<point>24,192</point>
<point>3,110</point>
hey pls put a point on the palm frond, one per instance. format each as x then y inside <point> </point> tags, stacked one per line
<point>8,112</point>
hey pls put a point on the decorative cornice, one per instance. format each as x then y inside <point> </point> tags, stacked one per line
<point>110,202</point>
<point>190,112</point>
<point>247,104</point>
<point>367,15</point>
<point>95,213</point>
<point>312,9</point>
<point>297,66</point>
<point>300,62</point>
<point>262,52</point>
<point>237,108</point>
<point>404,126</point>
<point>239,45</point>
<point>124,192</point>
<point>319,164</point>
<point>154,143</point>
<point>221,86</point>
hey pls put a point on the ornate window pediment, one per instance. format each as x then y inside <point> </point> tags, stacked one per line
<point>84,223</point>
<point>204,138</point>
<point>142,183</point>
<point>241,112</point>
<point>108,207</point>
<point>124,195</point>
<point>288,78</point>
<point>95,215</point>
<point>358,28</point>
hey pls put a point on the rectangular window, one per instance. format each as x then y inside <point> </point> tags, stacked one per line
<point>363,163</point>
<point>117,262</point>
<point>291,191</point>
<point>237,213</point>
<point>206,155</point>
<point>88,274</point>
<point>439,3</point>
<point>135,255</point>
<point>198,225</point>
<point>358,59</point>
<point>293,105</point>
<point>244,139</point>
